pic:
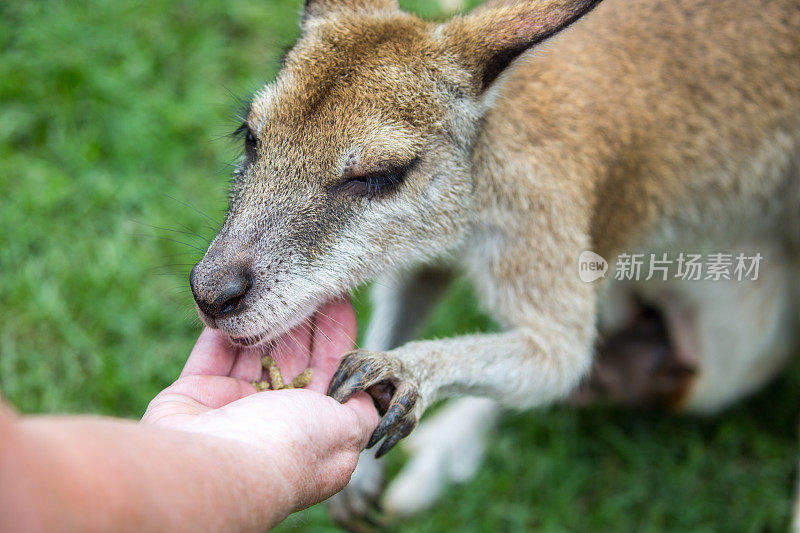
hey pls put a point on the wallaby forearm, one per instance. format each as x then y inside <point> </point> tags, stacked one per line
<point>520,368</point>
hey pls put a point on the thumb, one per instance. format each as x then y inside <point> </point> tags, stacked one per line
<point>209,391</point>
<point>366,414</point>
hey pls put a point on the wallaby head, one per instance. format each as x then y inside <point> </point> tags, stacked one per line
<point>357,157</point>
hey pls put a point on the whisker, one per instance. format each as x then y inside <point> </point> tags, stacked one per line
<point>161,237</point>
<point>193,208</point>
<point>188,232</point>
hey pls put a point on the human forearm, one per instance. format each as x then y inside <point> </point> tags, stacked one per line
<point>210,454</point>
<point>97,474</point>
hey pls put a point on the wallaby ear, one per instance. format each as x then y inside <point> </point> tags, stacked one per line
<point>490,38</point>
<point>322,8</point>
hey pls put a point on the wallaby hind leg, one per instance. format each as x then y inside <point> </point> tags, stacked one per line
<point>402,302</point>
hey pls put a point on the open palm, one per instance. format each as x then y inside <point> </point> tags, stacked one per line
<point>307,432</point>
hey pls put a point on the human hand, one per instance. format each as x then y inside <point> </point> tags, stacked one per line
<point>314,440</point>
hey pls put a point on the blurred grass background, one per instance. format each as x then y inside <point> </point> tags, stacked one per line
<point>113,175</point>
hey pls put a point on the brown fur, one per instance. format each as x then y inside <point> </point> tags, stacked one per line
<point>663,125</point>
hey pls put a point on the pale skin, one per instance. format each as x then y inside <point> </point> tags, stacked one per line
<point>210,454</point>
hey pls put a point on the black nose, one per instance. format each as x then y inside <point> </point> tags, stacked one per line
<point>223,294</point>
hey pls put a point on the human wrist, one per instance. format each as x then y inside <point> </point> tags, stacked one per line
<point>265,492</point>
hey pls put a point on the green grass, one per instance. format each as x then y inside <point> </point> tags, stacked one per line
<point>111,118</point>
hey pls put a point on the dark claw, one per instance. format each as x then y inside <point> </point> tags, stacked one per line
<point>399,432</point>
<point>357,373</point>
<point>349,388</point>
<point>348,381</point>
<point>363,524</point>
<point>340,375</point>
<point>359,511</point>
<point>401,405</point>
<point>391,417</point>
<point>360,520</point>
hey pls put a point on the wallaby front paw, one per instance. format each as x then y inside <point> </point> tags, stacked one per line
<point>395,393</point>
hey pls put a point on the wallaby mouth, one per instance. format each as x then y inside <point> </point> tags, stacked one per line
<point>270,331</point>
<point>273,335</point>
<point>247,341</point>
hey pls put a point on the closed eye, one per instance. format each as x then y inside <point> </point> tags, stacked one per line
<point>376,184</point>
<point>250,141</point>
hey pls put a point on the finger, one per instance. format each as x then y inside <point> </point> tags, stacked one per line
<point>248,364</point>
<point>361,404</point>
<point>334,335</point>
<point>210,391</point>
<point>213,354</point>
<point>292,351</point>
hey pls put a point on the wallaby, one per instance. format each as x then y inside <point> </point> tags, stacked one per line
<point>502,144</point>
